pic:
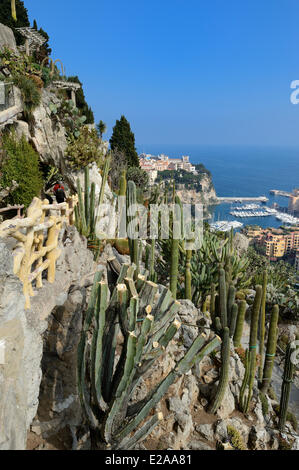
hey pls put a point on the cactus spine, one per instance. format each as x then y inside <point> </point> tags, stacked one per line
<point>288,375</point>
<point>223,380</point>
<point>271,350</point>
<point>249,377</point>
<point>240,324</point>
<point>262,325</point>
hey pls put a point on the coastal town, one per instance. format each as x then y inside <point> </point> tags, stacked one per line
<point>152,164</point>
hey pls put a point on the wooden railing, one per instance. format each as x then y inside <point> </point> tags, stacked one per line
<point>37,235</point>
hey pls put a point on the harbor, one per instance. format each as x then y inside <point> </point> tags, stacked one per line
<point>263,199</point>
<point>252,214</point>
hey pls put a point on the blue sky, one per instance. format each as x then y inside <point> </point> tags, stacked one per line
<point>183,71</point>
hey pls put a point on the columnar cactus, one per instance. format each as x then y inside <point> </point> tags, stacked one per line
<point>251,366</point>
<point>146,317</point>
<point>175,242</point>
<point>230,301</point>
<point>188,276</point>
<point>271,350</point>
<point>288,376</point>
<point>213,303</point>
<point>104,178</point>
<point>13,10</point>
<point>123,184</point>
<point>222,298</point>
<point>85,210</point>
<point>233,320</point>
<point>132,201</point>
<point>224,373</point>
<point>240,324</point>
<point>262,325</point>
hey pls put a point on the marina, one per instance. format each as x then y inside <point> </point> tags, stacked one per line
<point>252,211</point>
<point>225,226</point>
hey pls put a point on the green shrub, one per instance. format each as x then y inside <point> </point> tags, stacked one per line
<point>236,438</point>
<point>85,149</point>
<point>31,95</point>
<point>139,176</point>
<point>21,164</point>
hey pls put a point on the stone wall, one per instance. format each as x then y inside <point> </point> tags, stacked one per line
<point>24,331</point>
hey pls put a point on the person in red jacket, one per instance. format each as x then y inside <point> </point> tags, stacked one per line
<point>59,192</point>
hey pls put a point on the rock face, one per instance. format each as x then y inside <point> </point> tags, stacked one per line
<point>207,196</point>
<point>241,243</point>
<point>22,332</point>
<point>48,137</point>
<point>7,38</point>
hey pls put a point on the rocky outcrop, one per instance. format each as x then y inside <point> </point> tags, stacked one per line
<point>241,243</point>
<point>7,38</point>
<point>22,333</point>
<point>207,195</point>
<point>47,136</point>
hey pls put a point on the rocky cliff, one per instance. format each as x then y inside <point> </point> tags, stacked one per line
<point>23,332</point>
<point>207,195</point>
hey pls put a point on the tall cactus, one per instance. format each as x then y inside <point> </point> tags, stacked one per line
<point>224,373</point>
<point>104,178</point>
<point>188,276</point>
<point>271,350</point>
<point>175,243</point>
<point>262,325</point>
<point>222,298</point>
<point>85,211</point>
<point>132,201</point>
<point>213,303</point>
<point>240,324</point>
<point>231,295</point>
<point>288,375</point>
<point>123,183</point>
<point>233,320</point>
<point>147,329</point>
<point>13,10</point>
<point>249,378</point>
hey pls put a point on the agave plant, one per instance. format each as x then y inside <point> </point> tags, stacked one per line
<point>205,263</point>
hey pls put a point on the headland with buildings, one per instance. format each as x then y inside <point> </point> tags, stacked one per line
<point>152,164</point>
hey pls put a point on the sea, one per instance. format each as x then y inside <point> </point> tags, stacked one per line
<point>237,171</point>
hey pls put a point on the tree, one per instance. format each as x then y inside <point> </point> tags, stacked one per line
<point>123,139</point>
<point>20,164</point>
<point>7,19</point>
<point>45,50</point>
<point>139,176</point>
<point>102,128</point>
<point>81,103</point>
